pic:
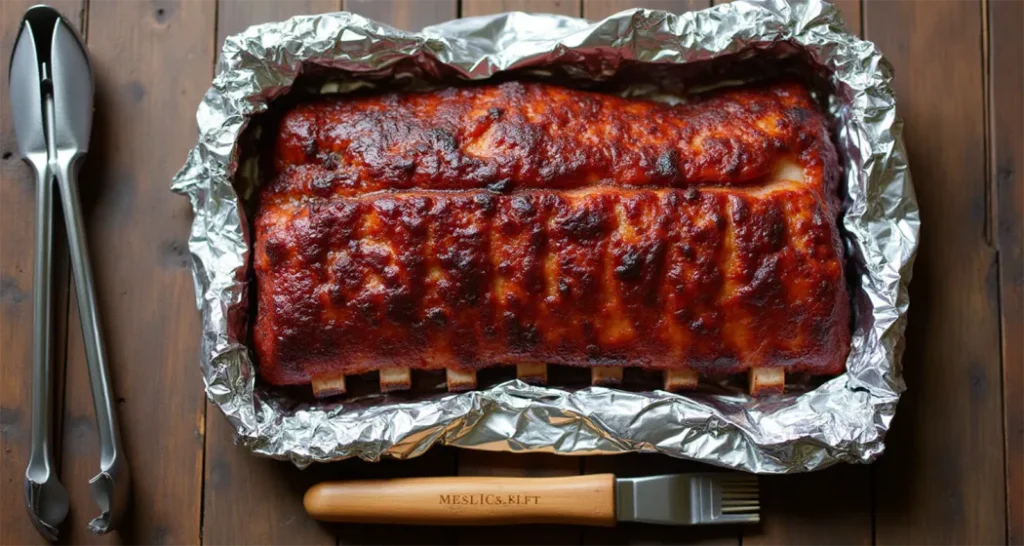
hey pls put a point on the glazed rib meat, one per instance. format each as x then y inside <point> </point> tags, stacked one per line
<point>526,222</point>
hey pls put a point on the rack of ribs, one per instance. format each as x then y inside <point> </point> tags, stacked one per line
<point>529,224</point>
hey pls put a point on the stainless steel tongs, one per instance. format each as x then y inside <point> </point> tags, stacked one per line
<point>52,97</point>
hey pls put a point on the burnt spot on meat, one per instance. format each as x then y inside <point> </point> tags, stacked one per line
<point>444,140</point>
<point>667,165</point>
<point>687,251</point>
<point>772,228</point>
<point>740,210</point>
<point>276,249</point>
<point>437,316</point>
<point>501,186</point>
<point>323,184</point>
<point>584,223</point>
<point>484,202</point>
<point>800,115</point>
<point>401,306</point>
<point>385,207</point>
<point>765,288</point>
<point>630,264</point>
<point>330,160</point>
<point>523,206</point>
<point>404,166</point>
<point>309,148</point>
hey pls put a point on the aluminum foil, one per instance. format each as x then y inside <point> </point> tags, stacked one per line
<point>842,419</point>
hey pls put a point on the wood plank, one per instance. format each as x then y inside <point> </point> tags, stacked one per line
<point>538,465</point>
<point>646,464</point>
<point>253,500</point>
<point>17,239</point>
<point>832,506</point>
<point>486,7</point>
<point>599,9</point>
<point>152,64</point>
<point>1006,118</point>
<point>936,483</point>
<point>249,499</point>
<point>405,14</point>
<point>852,14</point>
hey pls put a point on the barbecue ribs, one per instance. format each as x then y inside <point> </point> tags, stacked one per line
<point>529,224</point>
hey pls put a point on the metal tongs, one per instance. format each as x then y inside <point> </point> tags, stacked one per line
<point>52,97</point>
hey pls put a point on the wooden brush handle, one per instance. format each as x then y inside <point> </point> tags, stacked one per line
<point>464,500</point>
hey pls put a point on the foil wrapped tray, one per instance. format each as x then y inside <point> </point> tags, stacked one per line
<point>812,426</point>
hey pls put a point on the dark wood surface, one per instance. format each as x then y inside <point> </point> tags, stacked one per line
<point>942,462</point>
<point>1005,71</point>
<point>954,468</point>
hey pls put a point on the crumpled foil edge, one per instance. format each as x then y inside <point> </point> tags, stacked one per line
<point>844,419</point>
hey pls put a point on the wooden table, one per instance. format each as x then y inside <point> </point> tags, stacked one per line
<point>954,469</point>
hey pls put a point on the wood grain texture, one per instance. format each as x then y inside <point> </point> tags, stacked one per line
<point>486,7</point>
<point>637,464</point>
<point>599,9</point>
<point>234,16</point>
<point>787,517</point>
<point>252,500</point>
<point>249,499</point>
<point>534,465</point>
<point>467,500</point>
<point>1006,137</point>
<point>152,62</point>
<point>937,481</point>
<point>852,13</point>
<point>17,241</point>
<point>405,14</point>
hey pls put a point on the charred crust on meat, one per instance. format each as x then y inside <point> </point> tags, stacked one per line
<point>481,225</point>
<point>501,186</point>
<point>667,165</point>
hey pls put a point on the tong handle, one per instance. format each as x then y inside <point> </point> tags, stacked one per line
<point>41,456</point>
<point>46,498</point>
<point>465,500</point>
<point>85,292</point>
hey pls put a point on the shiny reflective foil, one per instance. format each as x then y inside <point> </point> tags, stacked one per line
<point>842,419</point>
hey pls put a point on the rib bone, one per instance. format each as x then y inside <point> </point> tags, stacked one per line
<point>328,385</point>
<point>395,379</point>
<point>766,381</point>
<point>680,380</point>
<point>606,375</point>
<point>461,380</point>
<point>536,373</point>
